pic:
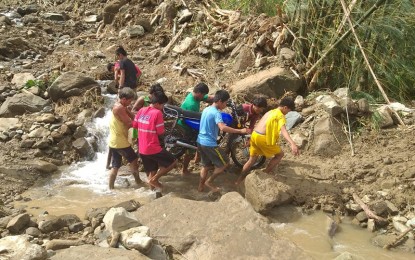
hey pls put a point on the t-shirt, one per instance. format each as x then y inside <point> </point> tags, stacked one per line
<point>209,129</point>
<point>130,73</point>
<point>117,66</point>
<point>190,103</point>
<point>248,109</point>
<point>150,124</point>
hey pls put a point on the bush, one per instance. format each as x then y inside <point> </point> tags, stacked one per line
<point>252,6</point>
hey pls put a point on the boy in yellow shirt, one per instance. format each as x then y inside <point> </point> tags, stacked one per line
<point>264,139</point>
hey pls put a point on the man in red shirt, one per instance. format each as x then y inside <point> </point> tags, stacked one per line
<point>150,124</point>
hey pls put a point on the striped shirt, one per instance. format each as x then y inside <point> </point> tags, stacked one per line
<point>150,124</point>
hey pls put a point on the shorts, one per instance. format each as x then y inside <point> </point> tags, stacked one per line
<point>259,146</point>
<point>212,155</point>
<point>152,162</point>
<point>117,154</point>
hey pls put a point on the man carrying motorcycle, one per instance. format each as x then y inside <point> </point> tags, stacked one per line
<point>210,124</point>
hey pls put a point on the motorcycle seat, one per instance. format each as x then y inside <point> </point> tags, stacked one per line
<point>181,112</point>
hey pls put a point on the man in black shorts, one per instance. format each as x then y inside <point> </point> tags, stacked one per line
<point>150,124</point>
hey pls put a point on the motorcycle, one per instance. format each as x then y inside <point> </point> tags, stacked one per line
<point>177,139</point>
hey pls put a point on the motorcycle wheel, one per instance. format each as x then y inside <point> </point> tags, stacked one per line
<point>176,133</point>
<point>240,154</point>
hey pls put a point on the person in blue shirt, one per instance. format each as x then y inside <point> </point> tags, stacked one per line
<point>211,155</point>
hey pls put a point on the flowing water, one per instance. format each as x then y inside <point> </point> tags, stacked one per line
<point>84,185</point>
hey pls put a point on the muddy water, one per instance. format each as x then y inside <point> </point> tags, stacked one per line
<point>310,233</point>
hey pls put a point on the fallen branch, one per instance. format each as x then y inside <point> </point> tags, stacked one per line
<point>369,213</point>
<point>173,41</point>
<point>395,242</point>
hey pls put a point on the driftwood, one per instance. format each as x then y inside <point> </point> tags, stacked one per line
<point>395,242</point>
<point>173,41</point>
<point>369,213</point>
<point>195,73</point>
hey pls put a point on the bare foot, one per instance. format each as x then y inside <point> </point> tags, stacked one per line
<point>155,184</point>
<point>212,187</point>
<point>186,172</point>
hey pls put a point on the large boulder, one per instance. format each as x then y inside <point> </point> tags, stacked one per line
<point>274,82</point>
<point>328,136</point>
<point>18,223</point>
<point>118,219</point>
<point>19,247</point>
<point>22,103</point>
<point>264,192</point>
<point>71,84</point>
<point>96,253</point>
<point>226,229</point>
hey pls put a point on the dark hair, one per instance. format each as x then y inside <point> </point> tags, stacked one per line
<point>127,93</point>
<point>221,95</point>
<point>109,66</point>
<point>201,88</point>
<point>260,102</point>
<point>287,102</point>
<point>120,50</point>
<point>156,87</point>
<point>158,97</point>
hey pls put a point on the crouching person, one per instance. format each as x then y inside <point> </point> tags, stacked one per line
<point>150,124</point>
<point>120,122</point>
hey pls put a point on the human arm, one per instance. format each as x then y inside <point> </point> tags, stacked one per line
<point>122,78</point>
<point>294,147</point>
<point>223,127</point>
<point>159,123</point>
<point>138,104</point>
<point>208,98</point>
<point>122,114</point>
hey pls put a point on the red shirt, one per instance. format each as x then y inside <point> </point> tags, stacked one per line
<point>150,124</point>
<point>248,109</point>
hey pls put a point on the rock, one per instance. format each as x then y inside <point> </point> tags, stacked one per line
<point>132,31</point>
<point>51,223</point>
<point>18,223</point>
<point>76,227</point>
<point>264,192</point>
<point>70,84</point>
<point>46,118</point>
<point>91,18</point>
<point>19,45</point>
<point>232,222</point>
<point>292,118</point>
<point>57,244</point>
<point>22,103</point>
<point>4,20</point>
<point>32,231</point>
<point>371,226</point>
<point>330,105</point>
<point>80,132</point>
<point>91,252</point>
<point>42,166</point>
<point>39,132</point>
<point>8,123</point>
<point>274,82</point>
<point>260,62</point>
<point>84,148</point>
<point>145,24</point>
<point>118,220</point>
<point>137,238</point>
<point>328,137</point>
<point>308,111</point>
<point>348,256</point>
<point>383,240</point>
<point>19,247</point>
<point>20,79</point>
<point>349,106</point>
<point>299,139</point>
<point>54,17</point>
<point>400,227</point>
<point>379,208</point>
<point>184,16</point>
<point>4,221</point>
<point>96,213</point>
<point>299,102</point>
<point>131,205</point>
<point>244,60</point>
<point>392,209</point>
<point>185,46</point>
<point>361,216</point>
<point>100,113</point>
<point>385,116</point>
<point>363,106</point>
<point>70,219</point>
<point>287,54</point>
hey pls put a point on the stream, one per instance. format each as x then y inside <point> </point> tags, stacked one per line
<point>84,185</point>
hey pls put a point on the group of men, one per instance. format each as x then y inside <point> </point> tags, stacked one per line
<point>150,125</point>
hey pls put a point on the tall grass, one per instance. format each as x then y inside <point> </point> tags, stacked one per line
<point>251,6</point>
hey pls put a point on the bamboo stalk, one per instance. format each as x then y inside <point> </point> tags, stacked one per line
<point>344,36</point>
<point>368,63</point>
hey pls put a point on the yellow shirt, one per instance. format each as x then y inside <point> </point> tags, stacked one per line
<point>118,134</point>
<point>275,121</point>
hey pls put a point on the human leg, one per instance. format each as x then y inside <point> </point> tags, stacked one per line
<point>115,165</point>
<point>216,173</point>
<point>132,158</point>
<point>221,163</point>
<point>186,160</point>
<point>274,162</point>
<point>245,169</point>
<point>165,162</point>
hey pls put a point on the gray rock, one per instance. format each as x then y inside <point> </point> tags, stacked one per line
<point>70,84</point>
<point>42,166</point>
<point>100,113</point>
<point>299,139</point>
<point>244,60</point>
<point>292,118</point>
<point>91,18</point>
<point>96,213</point>
<point>363,105</point>
<point>264,192</point>
<point>361,216</point>
<point>287,54</point>
<point>137,238</point>
<point>22,103</point>
<point>34,232</point>
<point>84,148</point>
<point>385,116</point>
<point>184,16</point>
<point>18,223</point>
<point>185,46</point>
<point>54,17</point>
<point>39,132</point>
<point>132,31</point>
<point>27,143</point>
<point>380,208</point>
<point>371,226</point>
<point>70,219</point>
<point>4,221</point>
<point>328,137</point>
<point>392,209</point>
<point>131,205</point>
<point>20,79</point>
<point>51,223</point>
<point>272,82</point>
<point>118,220</point>
<point>349,106</point>
<point>46,118</point>
<point>76,227</point>
<point>81,131</point>
<point>330,105</point>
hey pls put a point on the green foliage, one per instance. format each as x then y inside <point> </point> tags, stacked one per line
<point>386,36</point>
<point>35,83</point>
<point>251,6</point>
